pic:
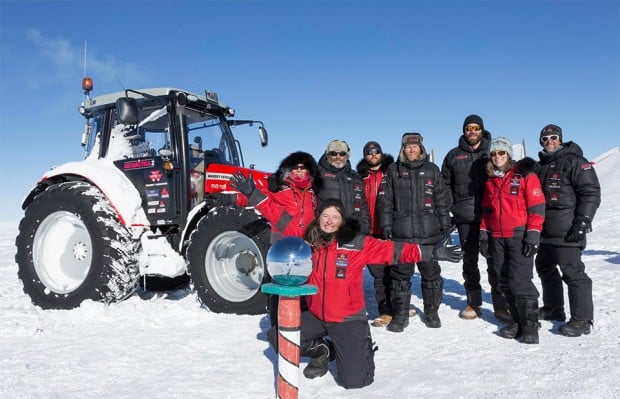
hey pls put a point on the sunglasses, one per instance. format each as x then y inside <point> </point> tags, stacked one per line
<point>472,128</point>
<point>552,137</point>
<point>500,153</point>
<point>300,167</point>
<point>340,153</point>
<point>373,151</point>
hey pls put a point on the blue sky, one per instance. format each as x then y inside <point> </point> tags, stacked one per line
<point>313,71</point>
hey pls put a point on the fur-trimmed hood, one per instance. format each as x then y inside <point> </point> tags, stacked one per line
<point>348,231</point>
<point>362,165</point>
<point>526,166</point>
<point>277,180</point>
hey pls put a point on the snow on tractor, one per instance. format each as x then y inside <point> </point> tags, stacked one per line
<point>151,198</point>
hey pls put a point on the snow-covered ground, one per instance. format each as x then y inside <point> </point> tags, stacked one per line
<point>163,345</point>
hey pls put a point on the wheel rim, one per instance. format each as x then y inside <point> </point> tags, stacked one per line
<point>234,266</point>
<point>62,252</point>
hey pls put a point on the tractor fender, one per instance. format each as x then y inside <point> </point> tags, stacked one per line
<point>122,195</point>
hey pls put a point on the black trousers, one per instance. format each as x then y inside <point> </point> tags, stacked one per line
<point>573,273</point>
<point>469,236</point>
<point>352,343</point>
<point>515,272</point>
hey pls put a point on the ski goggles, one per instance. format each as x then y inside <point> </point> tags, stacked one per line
<point>472,128</point>
<point>553,137</point>
<point>372,151</point>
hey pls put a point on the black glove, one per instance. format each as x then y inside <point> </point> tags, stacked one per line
<point>581,226</point>
<point>484,244</point>
<point>445,232</point>
<point>530,243</point>
<point>484,249</point>
<point>529,250</point>
<point>387,233</point>
<point>241,184</point>
<point>441,251</point>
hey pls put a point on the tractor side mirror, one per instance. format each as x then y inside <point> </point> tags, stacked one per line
<point>127,111</point>
<point>262,133</point>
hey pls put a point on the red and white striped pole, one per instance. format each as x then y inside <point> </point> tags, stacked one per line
<point>289,326</point>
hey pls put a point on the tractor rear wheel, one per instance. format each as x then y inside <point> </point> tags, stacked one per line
<point>226,260</point>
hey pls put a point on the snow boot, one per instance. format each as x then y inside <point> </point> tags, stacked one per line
<point>319,351</point>
<point>432,292</point>
<point>556,314</point>
<point>500,307</point>
<point>575,328</point>
<point>474,301</point>
<point>382,321</point>
<point>512,329</point>
<point>401,299</point>
<point>528,320</point>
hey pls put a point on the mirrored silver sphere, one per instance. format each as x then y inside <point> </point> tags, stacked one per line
<point>289,261</point>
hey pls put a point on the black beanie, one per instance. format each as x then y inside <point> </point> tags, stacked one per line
<point>372,144</point>
<point>551,129</point>
<point>473,119</point>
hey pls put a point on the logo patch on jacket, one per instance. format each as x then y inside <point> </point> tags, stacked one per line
<point>586,166</point>
<point>514,185</point>
<point>342,262</point>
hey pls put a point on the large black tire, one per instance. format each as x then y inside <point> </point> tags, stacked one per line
<point>226,260</point>
<point>71,247</point>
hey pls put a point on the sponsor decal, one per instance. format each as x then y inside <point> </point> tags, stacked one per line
<point>461,157</point>
<point>538,192</point>
<point>218,176</point>
<point>152,203</point>
<point>139,164</point>
<point>155,176</point>
<point>165,193</point>
<point>151,193</point>
<point>515,182</point>
<point>342,262</point>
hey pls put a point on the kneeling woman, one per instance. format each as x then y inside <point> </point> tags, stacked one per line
<point>339,254</point>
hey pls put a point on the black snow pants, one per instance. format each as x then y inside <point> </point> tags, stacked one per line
<point>352,343</point>
<point>573,274</point>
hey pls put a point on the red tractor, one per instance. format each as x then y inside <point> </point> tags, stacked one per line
<point>151,198</point>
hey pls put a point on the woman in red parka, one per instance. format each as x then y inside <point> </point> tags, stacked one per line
<point>513,212</point>
<point>339,254</point>
<point>290,200</point>
<point>288,203</point>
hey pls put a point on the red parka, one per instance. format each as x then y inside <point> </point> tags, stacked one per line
<point>337,271</point>
<point>289,211</point>
<point>513,203</point>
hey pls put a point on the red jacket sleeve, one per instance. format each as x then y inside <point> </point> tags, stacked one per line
<point>385,252</point>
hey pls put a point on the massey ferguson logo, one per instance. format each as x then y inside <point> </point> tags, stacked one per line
<point>155,176</point>
<point>139,164</point>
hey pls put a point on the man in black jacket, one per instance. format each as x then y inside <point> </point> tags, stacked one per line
<point>414,207</point>
<point>464,173</point>
<point>572,194</point>
<point>342,182</point>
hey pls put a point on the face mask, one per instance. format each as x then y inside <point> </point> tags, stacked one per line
<point>300,181</point>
